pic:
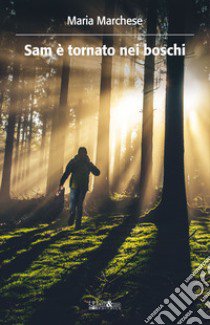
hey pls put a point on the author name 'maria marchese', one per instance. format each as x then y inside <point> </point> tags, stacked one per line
<point>102,21</point>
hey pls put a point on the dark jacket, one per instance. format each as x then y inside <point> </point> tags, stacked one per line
<point>80,169</point>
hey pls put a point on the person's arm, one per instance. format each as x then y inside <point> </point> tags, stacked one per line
<point>66,173</point>
<point>94,170</point>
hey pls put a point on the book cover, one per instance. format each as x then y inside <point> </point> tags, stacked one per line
<point>104,162</point>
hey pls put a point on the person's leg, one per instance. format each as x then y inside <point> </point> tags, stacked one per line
<point>73,204</point>
<point>81,198</point>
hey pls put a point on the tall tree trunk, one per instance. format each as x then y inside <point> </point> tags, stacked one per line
<point>78,111</point>
<point>30,122</point>
<point>7,165</point>
<point>57,141</point>
<point>17,149</point>
<point>22,146</point>
<point>1,104</point>
<point>128,142</point>
<point>102,156</point>
<point>145,185</point>
<point>174,194</point>
<point>3,78</point>
<point>118,167</point>
<point>42,159</point>
<point>171,216</point>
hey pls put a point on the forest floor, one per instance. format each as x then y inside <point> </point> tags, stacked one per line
<point>51,274</point>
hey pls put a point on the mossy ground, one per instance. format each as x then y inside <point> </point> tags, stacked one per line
<point>108,258</point>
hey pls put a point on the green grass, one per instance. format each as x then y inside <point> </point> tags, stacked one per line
<point>51,255</point>
<point>199,242</point>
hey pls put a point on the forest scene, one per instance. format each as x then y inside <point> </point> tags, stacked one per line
<point>140,224</point>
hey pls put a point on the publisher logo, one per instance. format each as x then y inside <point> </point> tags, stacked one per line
<point>104,305</point>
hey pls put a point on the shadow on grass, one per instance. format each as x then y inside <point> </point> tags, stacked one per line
<point>23,260</point>
<point>168,267</point>
<point>13,244</point>
<point>145,287</point>
<point>142,289</point>
<point>59,300</point>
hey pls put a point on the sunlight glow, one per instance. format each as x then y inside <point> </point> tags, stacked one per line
<point>192,97</point>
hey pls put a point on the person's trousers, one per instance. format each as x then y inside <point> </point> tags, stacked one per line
<point>77,197</point>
